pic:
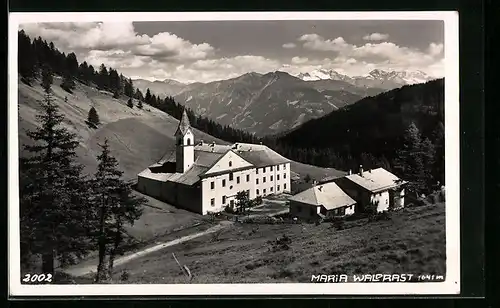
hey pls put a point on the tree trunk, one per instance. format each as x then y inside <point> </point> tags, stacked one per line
<point>102,246</point>
<point>48,262</point>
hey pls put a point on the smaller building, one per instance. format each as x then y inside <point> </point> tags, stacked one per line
<point>374,187</point>
<point>325,200</point>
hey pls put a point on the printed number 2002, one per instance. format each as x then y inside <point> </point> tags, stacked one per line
<point>37,278</point>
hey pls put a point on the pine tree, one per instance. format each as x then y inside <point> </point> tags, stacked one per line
<point>438,137</point>
<point>68,84</point>
<point>93,117</point>
<point>130,103</point>
<point>54,192</point>
<point>147,98</point>
<point>116,206</point>
<point>26,58</point>
<point>139,105</point>
<point>410,160</point>
<point>47,78</point>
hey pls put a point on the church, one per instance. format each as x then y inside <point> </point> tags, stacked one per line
<point>205,177</point>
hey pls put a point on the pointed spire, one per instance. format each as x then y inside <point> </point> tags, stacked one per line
<point>184,124</point>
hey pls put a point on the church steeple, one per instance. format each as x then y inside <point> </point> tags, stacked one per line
<point>184,144</point>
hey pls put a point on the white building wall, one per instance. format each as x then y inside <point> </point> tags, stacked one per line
<point>383,200</point>
<point>280,177</point>
<point>185,152</point>
<point>229,190</point>
<point>350,210</point>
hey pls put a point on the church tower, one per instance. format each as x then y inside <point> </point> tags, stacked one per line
<point>184,139</point>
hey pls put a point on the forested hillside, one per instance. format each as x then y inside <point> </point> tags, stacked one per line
<point>38,55</point>
<point>376,131</point>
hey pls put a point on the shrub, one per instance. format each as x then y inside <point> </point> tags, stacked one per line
<point>125,275</point>
<point>93,117</point>
<point>130,103</point>
<point>338,224</point>
<point>385,215</point>
<point>229,210</point>
<point>281,243</point>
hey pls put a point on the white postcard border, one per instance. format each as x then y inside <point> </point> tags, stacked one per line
<point>452,166</point>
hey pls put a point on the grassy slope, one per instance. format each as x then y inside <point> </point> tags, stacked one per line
<point>137,139</point>
<point>413,241</point>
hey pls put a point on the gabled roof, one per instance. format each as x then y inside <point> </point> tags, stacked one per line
<point>184,124</point>
<point>207,154</point>
<point>376,180</point>
<point>328,195</point>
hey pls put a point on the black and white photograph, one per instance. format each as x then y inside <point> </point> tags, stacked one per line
<point>233,153</point>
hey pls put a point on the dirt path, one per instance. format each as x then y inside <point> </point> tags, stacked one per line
<point>88,269</point>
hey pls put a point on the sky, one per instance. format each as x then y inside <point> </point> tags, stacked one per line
<point>204,51</point>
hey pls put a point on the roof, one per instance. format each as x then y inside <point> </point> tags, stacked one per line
<point>184,124</point>
<point>328,195</point>
<point>259,155</point>
<point>206,155</point>
<point>375,180</point>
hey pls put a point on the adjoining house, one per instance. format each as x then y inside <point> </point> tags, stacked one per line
<point>324,200</point>
<point>377,186</point>
<point>206,177</point>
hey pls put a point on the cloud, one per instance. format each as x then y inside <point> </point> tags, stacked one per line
<point>317,42</point>
<point>85,37</point>
<point>376,37</point>
<point>289,45</point>
<point>435,49</point>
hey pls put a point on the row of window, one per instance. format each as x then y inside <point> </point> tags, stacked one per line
<point>231,178</point>
<point>271,189</point>
<point>271,178</point>
<point>270,168</point>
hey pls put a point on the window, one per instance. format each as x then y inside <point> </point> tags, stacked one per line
<point>248,192</point>
<point>284,175</point>
<point>278,168</point>
<point>231,203</point>
<point>263,179</point>
<point>271,178</point>
<point>264,169</point>
<point>256,181</point>
<point>230,163</point>
<point>212,202</point>
<point>257,171</point>
<point>284,186</point>
<point>237,180</point>
<point>278,188</point>
<point>224,183</point>
<point>231,176</point>
<point>212,185</point>
<point>189,141</point>
<point>223,199</point>
<point>258,192</point>
<point>271,168</point>
<point>248,177</point>
<point>284,167</point>
<point>277,177</point>
<point>264,190</point>
<point>271,189</point>
<point>342,211</point>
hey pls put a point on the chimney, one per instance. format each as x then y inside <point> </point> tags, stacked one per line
<point>314,182</point>
<point>201,142</point>
<point>360,170</point>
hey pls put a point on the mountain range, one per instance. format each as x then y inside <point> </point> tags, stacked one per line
<point>275,102</point>
<point>377,78</point>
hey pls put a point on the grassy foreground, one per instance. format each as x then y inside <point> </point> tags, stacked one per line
<point>413,241</point>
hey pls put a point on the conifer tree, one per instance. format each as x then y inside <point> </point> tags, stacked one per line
<point>410,160</point>
<point>130,103</point>
<point>68,84</point>
<point>47,78</point>
<point>139,105</point>
<point>54,192</point>
<point>93,117</point>
<point>116,207</point>
<point>147,98</point>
